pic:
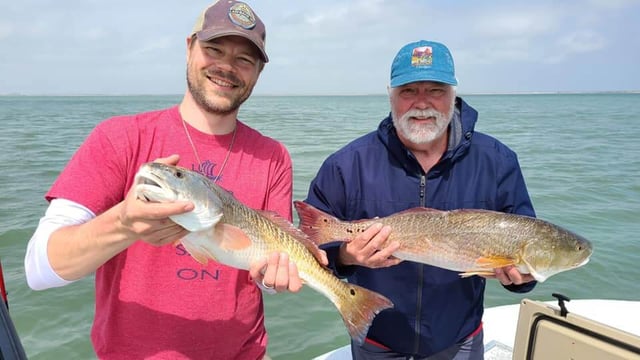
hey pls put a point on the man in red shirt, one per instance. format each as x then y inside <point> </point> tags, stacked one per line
<point>154,301</point>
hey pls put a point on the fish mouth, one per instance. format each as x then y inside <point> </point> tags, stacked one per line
<point>150,188</point>
<point>584,262</point>
<point>145,179</point>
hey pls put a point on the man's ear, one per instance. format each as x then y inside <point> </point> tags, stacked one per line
<point>191,41</point>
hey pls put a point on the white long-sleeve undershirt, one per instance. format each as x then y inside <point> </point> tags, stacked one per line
<point>60,213</point>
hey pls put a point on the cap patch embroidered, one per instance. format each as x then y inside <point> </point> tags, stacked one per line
<point>422,56</point>
<point>241,15</point>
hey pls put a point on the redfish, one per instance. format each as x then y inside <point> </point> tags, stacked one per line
<point>227,231</point>
<point>472,242</point>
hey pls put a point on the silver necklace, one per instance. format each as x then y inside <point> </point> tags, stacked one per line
<point>195,152</point>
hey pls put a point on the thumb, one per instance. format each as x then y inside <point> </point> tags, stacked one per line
<point>169,160</point>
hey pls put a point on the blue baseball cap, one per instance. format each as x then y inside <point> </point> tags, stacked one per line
<point>423,61</point>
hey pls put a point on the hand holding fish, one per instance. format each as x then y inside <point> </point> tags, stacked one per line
<point>277,272</point>
<point>367,248</point>
<point>509,275</point>
<point>149,221</point>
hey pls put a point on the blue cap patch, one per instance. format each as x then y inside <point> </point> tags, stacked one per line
<point>423,61</point>
<point>422,56</point>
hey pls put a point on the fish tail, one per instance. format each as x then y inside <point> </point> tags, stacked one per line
<point>359,311</point>
<point>316,224</point>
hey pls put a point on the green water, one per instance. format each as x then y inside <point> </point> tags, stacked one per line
<point>579,154</point>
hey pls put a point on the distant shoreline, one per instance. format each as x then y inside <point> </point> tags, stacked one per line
<point>329,95</point>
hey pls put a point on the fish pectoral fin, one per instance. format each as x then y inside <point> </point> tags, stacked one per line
<point>536,275</point>
<point>493,262</point>
<point>230,237</point>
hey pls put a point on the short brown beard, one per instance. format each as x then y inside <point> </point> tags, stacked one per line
<point>200,97</point>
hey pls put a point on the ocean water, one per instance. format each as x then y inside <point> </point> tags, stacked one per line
<point>579,153</point>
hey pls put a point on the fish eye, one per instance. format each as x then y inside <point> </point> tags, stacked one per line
<point>179,174</point>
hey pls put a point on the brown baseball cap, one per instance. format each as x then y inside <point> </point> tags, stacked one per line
<point>225,18</point>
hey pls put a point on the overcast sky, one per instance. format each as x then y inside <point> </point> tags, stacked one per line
<point>323,46</point>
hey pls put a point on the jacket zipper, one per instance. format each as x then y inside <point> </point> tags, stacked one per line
<point>423,201</point>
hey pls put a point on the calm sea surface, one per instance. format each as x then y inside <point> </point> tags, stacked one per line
<point>580,155</point>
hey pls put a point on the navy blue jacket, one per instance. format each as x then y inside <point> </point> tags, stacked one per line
<point>376,175</point>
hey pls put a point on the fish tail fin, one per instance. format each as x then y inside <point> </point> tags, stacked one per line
<point>360,310</point>
<point>316,224</point>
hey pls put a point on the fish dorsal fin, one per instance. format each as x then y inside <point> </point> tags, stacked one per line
<point>292,230</point>
<point>418,210</point>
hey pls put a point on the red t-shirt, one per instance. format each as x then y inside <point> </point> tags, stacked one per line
<point>158,302</point>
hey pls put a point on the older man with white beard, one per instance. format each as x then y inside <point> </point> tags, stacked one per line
<point>426,153</point>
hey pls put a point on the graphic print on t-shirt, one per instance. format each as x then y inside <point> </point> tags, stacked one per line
<point>207,168</point>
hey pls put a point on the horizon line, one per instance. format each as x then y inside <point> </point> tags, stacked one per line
<point>302,95</point>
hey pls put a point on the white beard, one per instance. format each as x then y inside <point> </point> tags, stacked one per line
<point>422,133</point>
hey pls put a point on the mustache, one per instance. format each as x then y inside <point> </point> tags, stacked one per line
<point>422,113</point>
<point>226,76</point>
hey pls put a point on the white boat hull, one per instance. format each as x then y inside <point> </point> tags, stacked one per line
<point>500,324</point>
